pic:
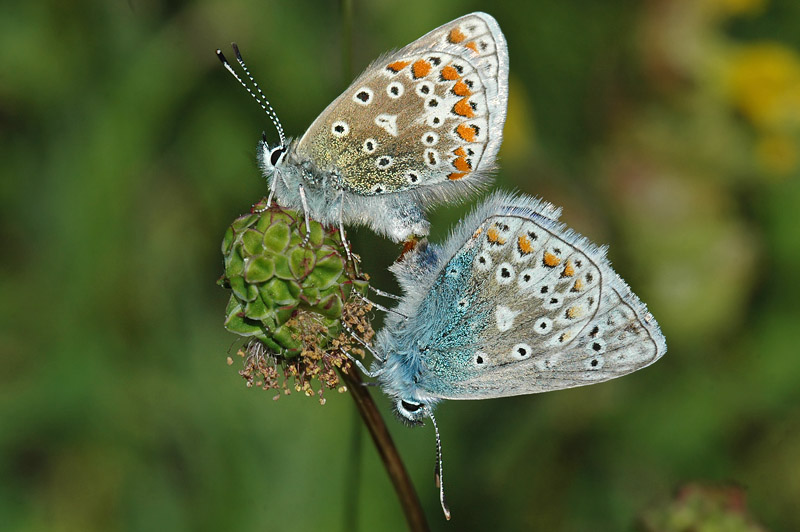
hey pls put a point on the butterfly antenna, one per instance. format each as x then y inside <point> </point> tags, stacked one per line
<point>264,104</point>
<point>270,111</point>
<point>438,472</point>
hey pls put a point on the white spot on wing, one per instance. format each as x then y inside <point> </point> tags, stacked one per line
<point>384,161</point>
<point>424,89</point>
<point>432,158</point>
<point>363,96</point>
<point>504,274</point>
<point>395,89</point>
<point>521,351</point>
<point>370,145</point>
<point>595,363</point>
<point>430,138</point>
<point>387,122</point>
<point>505,317</point>
<point>543,325</point>
<point>483,261</point>
<point>340,129</point>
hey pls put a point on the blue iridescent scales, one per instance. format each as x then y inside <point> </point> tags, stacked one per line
<point>512,303</point>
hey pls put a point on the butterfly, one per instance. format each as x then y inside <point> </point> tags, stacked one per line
<point>512,303</point>
<point>421,125</point>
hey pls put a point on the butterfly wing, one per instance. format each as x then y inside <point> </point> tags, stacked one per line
<point>427,118</point>
<point>521,304</point>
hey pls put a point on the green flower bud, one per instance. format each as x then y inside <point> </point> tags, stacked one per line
<point>291,298</point>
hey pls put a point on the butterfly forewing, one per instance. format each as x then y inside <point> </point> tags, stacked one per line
<point>532,307</point>
<point>428,114</point>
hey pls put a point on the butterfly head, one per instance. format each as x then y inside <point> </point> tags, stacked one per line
<point>411,411</point>
<point>270,157</point>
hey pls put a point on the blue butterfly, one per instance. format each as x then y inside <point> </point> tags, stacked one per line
<point>512,303</point>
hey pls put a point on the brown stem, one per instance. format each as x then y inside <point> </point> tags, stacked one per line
<point>388,452</point>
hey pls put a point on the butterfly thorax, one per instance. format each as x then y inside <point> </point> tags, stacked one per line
<point>439,339</point>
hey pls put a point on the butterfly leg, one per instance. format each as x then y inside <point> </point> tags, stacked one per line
<point>271,193</point>
<point>364,370</point>
<point>305,213</point>
<point>379,306</point>
<point>384,294</point>
<point>345,243</point>
<point>361,341</point>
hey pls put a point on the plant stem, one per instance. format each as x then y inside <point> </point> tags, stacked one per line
<point>387,451</point>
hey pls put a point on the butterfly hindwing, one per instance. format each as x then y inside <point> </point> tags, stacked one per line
<point>422,119</point>
<point>521,304</point>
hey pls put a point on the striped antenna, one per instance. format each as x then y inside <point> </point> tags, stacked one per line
<point>260,97</point>
<point>438,472</point>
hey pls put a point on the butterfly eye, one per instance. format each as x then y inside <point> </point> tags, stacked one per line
<point>410,407</point>
<point>276,154</point>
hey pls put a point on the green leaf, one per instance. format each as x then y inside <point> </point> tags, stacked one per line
<point>234,262</point>
<point>327,271</point>
<point>284,336</point>
<point>301,262</point>
<point>317,233</point>
<point>276,237</point>
<point>331,306</point>
<point>239,287</point>
<point>251,243</point>
<point>361,286</point>
<point>256,309</point>
<point>259,269</point>
<point>271,217</point>
<point>282,269</point>
<point>311,293</point>
<point>252,292</point>
<point>227,241</point>
<point>278,292</point>
<point>284,313</point>
<point>243,222</point>
<point>236,323</point>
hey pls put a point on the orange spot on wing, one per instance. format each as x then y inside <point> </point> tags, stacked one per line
<point>463,108</point>
<point>472,46</point>
<point>462,164</point>
<point>456,36</point>
<point>466,132</point>
<point>578,286</point>
<point>456,176</point>
<point>421,68</point>
<point>450,73</point>
<point>461,89</point>
<point>569,269</point>
<point>551,260</point>
<point>573,312</point>
<point>460,151</point>
<point>397,66</point>
<point>493,235</point>
<point>524,245</point>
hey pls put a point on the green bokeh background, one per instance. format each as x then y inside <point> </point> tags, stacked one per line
<point>667,129</point>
